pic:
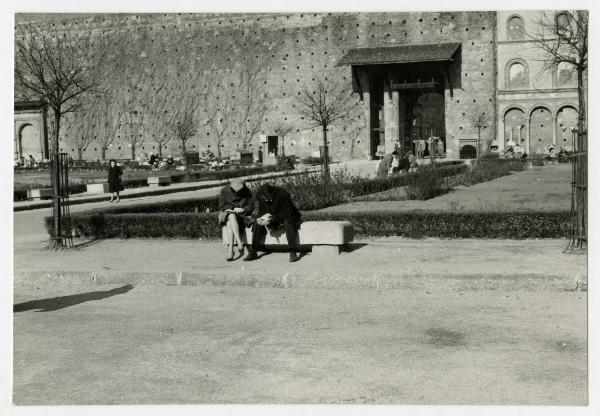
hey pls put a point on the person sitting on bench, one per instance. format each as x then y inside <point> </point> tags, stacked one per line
<point>235,206</point>
<point>274,208</point>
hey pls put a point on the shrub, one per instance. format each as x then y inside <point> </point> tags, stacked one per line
<point>486,170</point>
<point>426,183</point>
<point>312,191</point>
<point>312,160</point>
<point>415,224</point>
<point>191,205</point>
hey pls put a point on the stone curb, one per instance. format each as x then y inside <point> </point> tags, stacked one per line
<point>154,191</point>
<point>380,281</point>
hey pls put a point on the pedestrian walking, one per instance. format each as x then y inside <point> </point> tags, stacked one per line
<point>115,184</point>
<point>274,209</point>
<point>236,206</point>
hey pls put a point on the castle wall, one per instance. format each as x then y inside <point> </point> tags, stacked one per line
<point>312,44</point>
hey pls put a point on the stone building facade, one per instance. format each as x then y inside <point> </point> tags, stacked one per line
<point>537,107</point>
<point>30,131</point>
<point>417,75</point>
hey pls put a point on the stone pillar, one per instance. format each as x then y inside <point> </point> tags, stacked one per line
<point>366,136</point>
<point>500,136</point>
<point>554,131</point>
<point>528,138</point>
<point>391,119</point>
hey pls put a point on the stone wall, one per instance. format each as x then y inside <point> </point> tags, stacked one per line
<point>312,44</point>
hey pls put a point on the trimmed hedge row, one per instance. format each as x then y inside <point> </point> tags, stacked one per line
<point>414,224</point>
<point>307,193</point>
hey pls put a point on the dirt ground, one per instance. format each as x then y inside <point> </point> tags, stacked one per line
<point>175,345</point>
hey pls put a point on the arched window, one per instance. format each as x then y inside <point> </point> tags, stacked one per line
<point>515,28</point>
<point>566,75</point>
<point>517,76</point>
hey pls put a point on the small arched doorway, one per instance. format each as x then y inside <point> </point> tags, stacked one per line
<point>29,142</point>
<point>541,131</point>
<point>566,122</point>
<point>514,127</point>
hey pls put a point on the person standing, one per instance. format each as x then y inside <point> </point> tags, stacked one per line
<point>260,155</point>
<point>115,184</point>
<point>235,206</point>
<point>273,209</point>
<point>385,164</point>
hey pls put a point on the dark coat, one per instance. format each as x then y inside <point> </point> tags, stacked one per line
<point>114,179</point>
<point>229,199</point>
<point>277,202</point>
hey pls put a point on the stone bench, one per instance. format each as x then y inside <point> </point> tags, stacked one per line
<point>97,188</point>
<point>44,193</point>
<point>325,237</point>
<point>159,180</point>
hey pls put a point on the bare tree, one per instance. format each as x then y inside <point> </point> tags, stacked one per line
<point>282,128</point>
<point>480,120</point>
<point>564,38</point>
<point>58,67</point>
<point>238,105</point>
<point>219,109</point>
<point>80,127</point>
<point>184,122</point>
<point>134,106</point>
<point>141,80</point>
<point>107,121</point>
<point>355,131</point>
<point>326,102</point>
<point>157,122</point>
<point>184,102</point>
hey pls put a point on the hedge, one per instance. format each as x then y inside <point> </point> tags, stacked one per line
<point>413,224</point>
<point>308,194</point>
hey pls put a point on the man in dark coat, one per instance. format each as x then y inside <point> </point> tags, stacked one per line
<point>274,208</point>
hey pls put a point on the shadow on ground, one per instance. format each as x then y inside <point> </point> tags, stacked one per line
<point>53,304</point>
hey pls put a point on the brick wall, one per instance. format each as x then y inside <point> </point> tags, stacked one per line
<point>312,43</point>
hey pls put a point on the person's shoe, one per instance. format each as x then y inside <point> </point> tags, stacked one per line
<point>118,199</point>
<point>111,200</point>
<point>241,251</point>
<point>294,257</point>
<point>251,256</point>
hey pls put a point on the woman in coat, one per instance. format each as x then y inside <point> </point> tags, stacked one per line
<point>114,180</point>
<point>235,206</point>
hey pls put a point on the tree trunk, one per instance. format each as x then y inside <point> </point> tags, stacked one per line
<point>160,150</point>
<point>79,154</point>
<point>56,208</point>
<point>133,152</point>
<point>325,154</point>
<point>219,150</point>
<point>103,154</point>
<point>581,97</point>
<point>581,172</point>
<point>185,161</point>
<point>478,142</point>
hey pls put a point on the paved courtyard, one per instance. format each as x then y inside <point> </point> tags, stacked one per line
<point>124,344</point>
<point>392,321</point>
